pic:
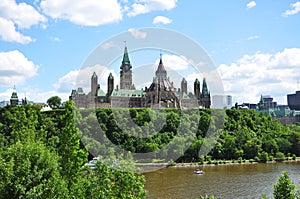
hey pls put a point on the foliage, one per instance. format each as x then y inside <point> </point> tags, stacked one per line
<point>284,188</point>
<point>246,134</point>
<point>54,102</point>
<point>42,151</point>
<point>30,170</point>
<point>41,156</point>
<point>280,156</point>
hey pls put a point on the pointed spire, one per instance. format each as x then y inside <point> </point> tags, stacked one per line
<point>110,76</point>
<point>161,71</point>
<point>261,101</point>
<point>205,92</point>
<point>125,56</point>
<point>160,58</point>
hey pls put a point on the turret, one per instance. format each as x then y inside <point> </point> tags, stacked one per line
<point>184,86</point>
<point>110,84</point>
<point>197,89</point>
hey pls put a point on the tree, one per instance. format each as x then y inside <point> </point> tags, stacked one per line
<point>72,156</point>
<point>54,102</point>
<point>284,188</point>
<point>30,170</point>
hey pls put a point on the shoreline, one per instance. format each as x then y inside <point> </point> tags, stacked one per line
<point>155,166</point>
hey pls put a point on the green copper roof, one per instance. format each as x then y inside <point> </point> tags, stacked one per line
<point>14,95</point>
<point>126,57</point>
<point>101,93</point>
<point>80,90</point>
<point>127,93</point>
<point>205,92</point>
<point>196,81</point>
<point>110,76</point>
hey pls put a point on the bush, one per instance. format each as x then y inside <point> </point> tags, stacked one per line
<point>171,163</point>
<point>280,157</point>
<point>271,158</point>
<point>257,159</point>
<point>264,157</point>
<point>294,157</point>
<point>240,160</point>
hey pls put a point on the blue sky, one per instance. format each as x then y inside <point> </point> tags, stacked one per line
<point>254,45</point>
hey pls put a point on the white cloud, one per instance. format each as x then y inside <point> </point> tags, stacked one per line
<point>107,45</point>
<point>145,6</point>
<point>87,13</point>
<point>295,9</point>
<point>10,34</point>
<point>266,74</point>
<point>137,33</point>
<point>174,62</point>
<point>82,78</point>
<point>57,39</point>
<point>251,4</point>
<point>15,68</point>
<point>15,16</point>
<point>162,20</point>
<point>253,37</point>
<point>22,14</point>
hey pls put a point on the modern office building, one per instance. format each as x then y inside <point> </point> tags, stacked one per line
<point>294,101</point>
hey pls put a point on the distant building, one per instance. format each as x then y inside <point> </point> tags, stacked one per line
<point>266,102</point>
<point>4,103</point>
<point>221,101</point>
<point>161,93</point>
<point>294,100</point>
<point>14,100</point>
<point>247,106</point>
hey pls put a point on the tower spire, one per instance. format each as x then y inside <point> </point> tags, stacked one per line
<point>125,56</point>
<point>160,57</point>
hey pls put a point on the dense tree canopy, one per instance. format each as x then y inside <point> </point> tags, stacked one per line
<point>41,156</point>
<point>43,153</point>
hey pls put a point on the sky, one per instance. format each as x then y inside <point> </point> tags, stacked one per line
<point>253,45</point>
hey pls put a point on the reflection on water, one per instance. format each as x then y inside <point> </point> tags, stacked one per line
<point>226,181</point>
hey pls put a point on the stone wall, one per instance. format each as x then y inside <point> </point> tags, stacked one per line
<point>287,119</point>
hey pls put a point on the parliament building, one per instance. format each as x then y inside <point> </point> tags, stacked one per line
<point>160,94</point>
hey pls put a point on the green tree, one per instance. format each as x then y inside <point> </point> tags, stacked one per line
<point>72,156</point>
<point>30,170</point>
<point>54,102</point>
<point>284,188</point>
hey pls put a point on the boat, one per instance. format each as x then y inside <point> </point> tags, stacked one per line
<point>198,172</point>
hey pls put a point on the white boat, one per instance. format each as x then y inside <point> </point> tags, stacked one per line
<point>198,172</point>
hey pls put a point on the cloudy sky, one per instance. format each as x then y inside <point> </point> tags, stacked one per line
<point>254,45</point>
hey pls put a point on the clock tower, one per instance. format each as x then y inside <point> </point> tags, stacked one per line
<point>126,72</point>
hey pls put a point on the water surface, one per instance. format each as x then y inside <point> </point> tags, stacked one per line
<point>225,181</point>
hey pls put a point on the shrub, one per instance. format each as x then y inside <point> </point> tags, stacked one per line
<point>280,157</point>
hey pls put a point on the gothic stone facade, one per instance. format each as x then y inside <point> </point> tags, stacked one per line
<point>160,94</point>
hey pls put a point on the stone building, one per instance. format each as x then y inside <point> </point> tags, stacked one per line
<point>160,94</point>
<point>294,100</point>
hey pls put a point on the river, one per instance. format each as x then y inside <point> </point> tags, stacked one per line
<point>225,181</point>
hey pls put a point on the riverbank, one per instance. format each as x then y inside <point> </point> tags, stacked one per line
<point>221,163</point>
<point>155,166</point>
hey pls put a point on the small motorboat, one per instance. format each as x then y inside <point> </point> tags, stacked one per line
<point>198,172</point>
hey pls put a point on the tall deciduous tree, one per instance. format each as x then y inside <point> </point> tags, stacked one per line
<point>284,188</point>
<point>54,102</point>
